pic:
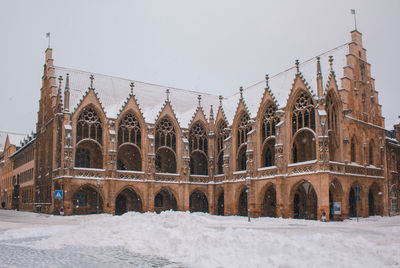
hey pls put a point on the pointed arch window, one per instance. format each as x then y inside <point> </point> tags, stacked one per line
<point>129,130</point>
<point>165,135</point>
<point>89,126</point>
<point>303,113</point>
<point>198,138</point>
<point>371,152</point>
<point>353,149</point>
<point>333,129</point>
<point>221,136</point>
<point>198,148</point>
<point>243,129</point>
<point>270,120</point>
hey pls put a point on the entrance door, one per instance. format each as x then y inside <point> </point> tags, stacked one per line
<point>120,205</point>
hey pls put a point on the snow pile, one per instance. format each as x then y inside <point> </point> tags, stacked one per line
<point>202,240</point>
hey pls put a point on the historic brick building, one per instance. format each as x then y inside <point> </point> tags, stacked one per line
<point>308,140</point>
<point>23,174</point>
<point>8,197</point>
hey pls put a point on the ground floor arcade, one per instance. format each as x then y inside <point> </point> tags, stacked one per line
<point>305,197</point>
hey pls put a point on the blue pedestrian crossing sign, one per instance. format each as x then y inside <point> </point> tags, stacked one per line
<point>58,194</point>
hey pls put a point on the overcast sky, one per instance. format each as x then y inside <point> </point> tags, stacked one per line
<point>209,46</point>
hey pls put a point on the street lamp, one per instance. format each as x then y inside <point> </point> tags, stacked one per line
<point>98,189</point>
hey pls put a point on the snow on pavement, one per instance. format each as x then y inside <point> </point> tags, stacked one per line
<point>203,240</point>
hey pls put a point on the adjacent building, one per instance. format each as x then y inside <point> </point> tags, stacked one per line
<point>9,198</point>
<point>23,175</point>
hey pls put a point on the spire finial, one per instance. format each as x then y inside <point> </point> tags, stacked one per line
<point>60,82</point>
<point>167,91</point>
<point>241,93</point>
<point>220,100</point>
<point>91,80</point>
<point>211,113</point>
<point>297,66</point>
<point>132,85</point>
<point>319,73</point>
<point>267,81</point>
<point>67,82</point>
<point>331,63</point>
<point>199,99</point>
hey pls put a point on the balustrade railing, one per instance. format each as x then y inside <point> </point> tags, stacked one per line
<point>130,175</point>
<point>166,177</point>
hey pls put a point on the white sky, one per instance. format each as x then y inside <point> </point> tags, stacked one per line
<point>209,46</point>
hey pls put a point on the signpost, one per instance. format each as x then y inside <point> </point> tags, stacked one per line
<point>59,194</point>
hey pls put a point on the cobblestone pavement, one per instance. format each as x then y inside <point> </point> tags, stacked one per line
<point>18,252</point>
<point>13,254</point>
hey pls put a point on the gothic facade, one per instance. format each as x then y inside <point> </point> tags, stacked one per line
<point>306,142</point>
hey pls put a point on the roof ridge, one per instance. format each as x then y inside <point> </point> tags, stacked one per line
<point>284,71</point>
<point>136,81</point>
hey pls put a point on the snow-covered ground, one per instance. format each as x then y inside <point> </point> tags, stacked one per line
<point>179,239</point>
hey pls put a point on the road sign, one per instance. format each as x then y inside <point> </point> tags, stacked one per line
<point>58,194</point>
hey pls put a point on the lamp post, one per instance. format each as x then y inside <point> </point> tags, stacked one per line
<point>248,196</point>
<point>98,189</point>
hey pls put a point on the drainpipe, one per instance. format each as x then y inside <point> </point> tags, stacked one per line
<point>387,174</point>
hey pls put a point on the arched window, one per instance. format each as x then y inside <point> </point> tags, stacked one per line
<point>165,143</point>
<point>221,136</point>
<point>82,158</point>
<point>371,152</point>
<point>165,135</point>
<point>129,144</point>
<point>270,120</point>
<point>129,130</point>
<point>331,111</point>
<point>303,113</point>
<point>244,128</point>
<point>198,148</point>
<point>353,149</point>
<point>89,126</point>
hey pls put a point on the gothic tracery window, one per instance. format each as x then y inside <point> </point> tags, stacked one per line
<point>198,147</point>
<point>303,113</point>
<point>221,136</point>
<point>353,149</point>
<point>269,122</point>
<point>243,128</point>
<point>332,126</point>
<point>165,135</point>
<point>89,126</point>
<point>165,145</point>
<point>129,130</point>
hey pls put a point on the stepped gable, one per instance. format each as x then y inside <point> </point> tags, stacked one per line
<point>281,83</point>
<point>113,92</point>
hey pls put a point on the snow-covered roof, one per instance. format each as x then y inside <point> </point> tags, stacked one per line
<point>14,138</point>
<point>281,83</point>
<point>113,91</point>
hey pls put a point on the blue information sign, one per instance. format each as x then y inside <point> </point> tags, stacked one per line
<point>58,194</point>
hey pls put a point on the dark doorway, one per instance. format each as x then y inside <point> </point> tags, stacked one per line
<point>305,202</point>
<point>164,200</point>
<point>352,203</point>
<point>371,206</point>
<point>120,205</point>
<point>128,200</point>
<point>221,210</point>
<point>198,202</point>
<point>269,203</point>
<point>242,208</point>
